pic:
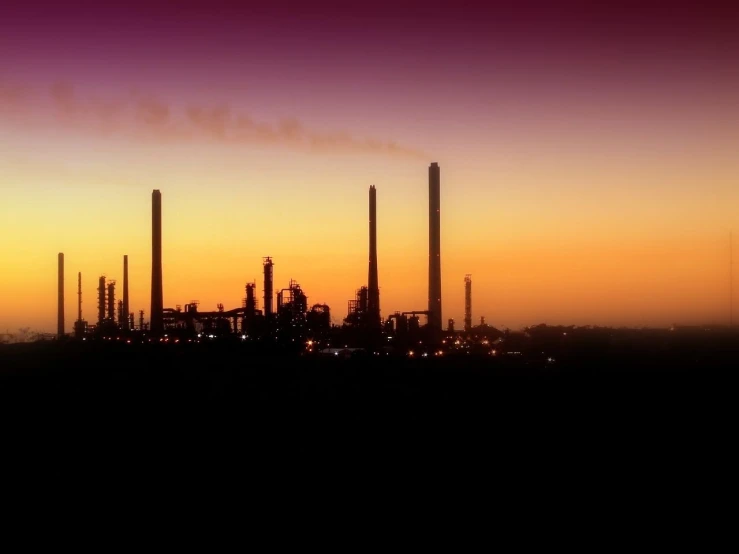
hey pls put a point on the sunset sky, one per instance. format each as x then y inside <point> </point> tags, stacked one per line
<point>589,154</point>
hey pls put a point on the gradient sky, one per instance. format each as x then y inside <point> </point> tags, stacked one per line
<point>588,154</point>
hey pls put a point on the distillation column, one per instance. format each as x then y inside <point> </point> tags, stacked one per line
<point>101,300</point>
<point>268,275</point>
<point>111,301</point>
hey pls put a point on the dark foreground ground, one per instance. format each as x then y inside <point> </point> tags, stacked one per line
<point>214,413</point>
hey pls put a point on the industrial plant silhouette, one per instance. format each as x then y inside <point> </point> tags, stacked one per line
<point>251,384</point>
<point>292,324</point>
<point>286,323</point>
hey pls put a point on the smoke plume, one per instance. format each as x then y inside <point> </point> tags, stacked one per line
<point>145,117</point>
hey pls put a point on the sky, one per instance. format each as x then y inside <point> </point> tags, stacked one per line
<point>588,154</point>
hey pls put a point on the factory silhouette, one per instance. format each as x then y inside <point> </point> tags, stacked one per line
<point>285,319</point>
<point>276,382</point>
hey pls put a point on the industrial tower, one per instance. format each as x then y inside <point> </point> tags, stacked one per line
<point>80,325</point>
<point>156,317</point>
<point>111,301</point>
<point>268,283</point>
<point>79,296</point>
<point>434,316</point>
<point>373,296</point>
<point>468,302</point>
<point>60,299</point>
<point>123,316</point>
<point>101,300</point>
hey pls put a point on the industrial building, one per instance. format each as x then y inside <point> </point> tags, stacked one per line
<point>286,318</point>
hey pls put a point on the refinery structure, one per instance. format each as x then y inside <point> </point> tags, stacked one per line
<point>285,318</point>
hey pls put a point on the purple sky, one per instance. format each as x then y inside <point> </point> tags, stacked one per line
<point>547,114</point>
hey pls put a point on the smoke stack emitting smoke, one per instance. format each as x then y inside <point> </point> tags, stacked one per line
<point>434,318</point>
<point>157,297</point>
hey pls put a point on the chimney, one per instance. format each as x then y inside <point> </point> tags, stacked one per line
<point>157,298</point>
<point>79,296</point>
<point>373,300</point>
<point>60,304</point>
<point>123,316</point>
<point>468,302</point>
<point>434,317</point>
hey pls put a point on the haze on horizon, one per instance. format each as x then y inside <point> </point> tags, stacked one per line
<point>588,154</point>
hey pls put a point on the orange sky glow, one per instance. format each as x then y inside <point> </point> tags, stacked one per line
<point>589,189</point>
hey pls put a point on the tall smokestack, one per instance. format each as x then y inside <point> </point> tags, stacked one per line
<point>468,302</point>
<point>731,279</point>
<point>123,316</point>
<point>373,300</point>
<point>60,304</point>
<point>79,296</point>
<point>157,297</point>
<point>434,318</point>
